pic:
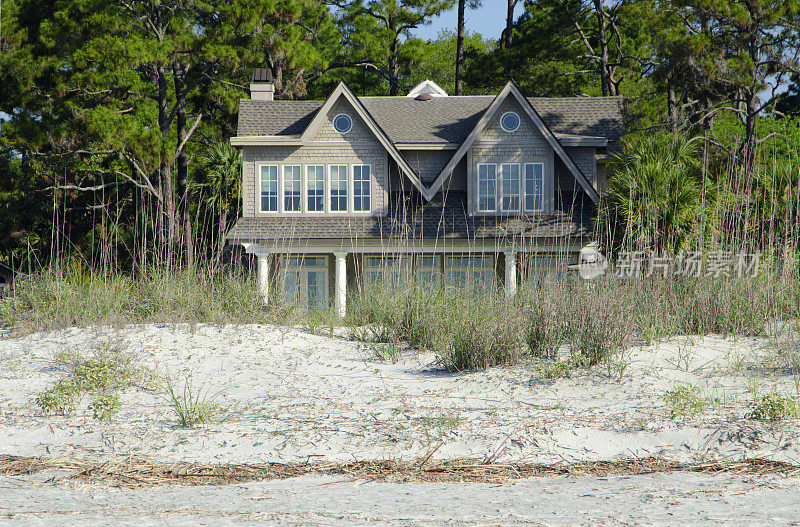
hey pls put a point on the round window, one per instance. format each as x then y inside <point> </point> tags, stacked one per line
<point>509,121</point>
<point>342,123</point>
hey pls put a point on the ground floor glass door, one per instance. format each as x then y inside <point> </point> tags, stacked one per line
<point>305,280</point>
<point>471,273</point>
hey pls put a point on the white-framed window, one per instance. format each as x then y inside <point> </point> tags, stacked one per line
<point>337,176</point>
<point>471,273</point>
<point>342,123</point>
<point>509,187</point>
<point>269,188</point>
<point>305,280</point>
<point>427,270</point>
<point>362,188</point>
<point>509,122</point>
<point>534,187</point>
<point>542,268</point>
<point>292,188</point>
<point>385,272</point>
<point>487,188</point>
<point>315,188</point>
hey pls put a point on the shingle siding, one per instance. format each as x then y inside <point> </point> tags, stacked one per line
<point>584,157</point>
<point>525,145</point>
<point>428,164</point>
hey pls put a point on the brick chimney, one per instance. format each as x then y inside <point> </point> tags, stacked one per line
<point>262,87</point>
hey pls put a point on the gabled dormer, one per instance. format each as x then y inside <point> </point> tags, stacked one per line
<point>427,87</point>
<point>511,155</point>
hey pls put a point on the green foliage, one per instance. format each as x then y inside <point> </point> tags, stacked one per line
<point>437,61</point>
<point>193,406</point>
<point>484,336</point>
<point>774,407</point>
<point>52,300</point>
<point>654,195</point>
<point>685,401</point>
<point>105,406</point>
<point>102,375</point>
<point>61,399</point>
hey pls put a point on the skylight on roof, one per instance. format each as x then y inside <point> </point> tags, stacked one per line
<point>427,87</point>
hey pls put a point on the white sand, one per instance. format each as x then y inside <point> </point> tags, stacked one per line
<point>681,499</point>
<point>294,396</point>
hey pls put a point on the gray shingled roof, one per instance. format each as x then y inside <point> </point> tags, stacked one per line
<point>405,221</point>
<point>441,119</point>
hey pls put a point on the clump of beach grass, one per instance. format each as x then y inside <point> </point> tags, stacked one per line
<point>193,406</point>
<point>77,297</point>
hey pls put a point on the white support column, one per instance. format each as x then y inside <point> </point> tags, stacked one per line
<point>340,285</point>
<point>263,276</point>
<point>511,272</point>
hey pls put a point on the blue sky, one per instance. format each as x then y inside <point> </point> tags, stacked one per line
<point>489,20</point>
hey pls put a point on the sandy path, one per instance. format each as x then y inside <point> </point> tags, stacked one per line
<point>664,499</point>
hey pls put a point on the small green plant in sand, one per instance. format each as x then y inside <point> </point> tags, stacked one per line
<point>61,399</point>
<point>685,401</point>
<point>104,406</point>
<point>193,406</point>
<point>102,375</point>
<point>551,370</point>
<point>773,407</point>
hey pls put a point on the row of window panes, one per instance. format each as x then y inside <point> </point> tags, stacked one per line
<point>513,194</point>
<point>475,272</point>
<point>305,278</point>
<point>288,190</point>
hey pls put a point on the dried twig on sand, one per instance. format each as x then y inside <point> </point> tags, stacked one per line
<point>131,471</point>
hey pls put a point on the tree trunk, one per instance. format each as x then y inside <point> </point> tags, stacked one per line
<point>750,142</point>
<point>460,47</point>
<point>509,23</point>
<point>165,223</point>
<point>394,68</point>
<point>605,81</point>
<point>182,186</point>
<point>672,107</point>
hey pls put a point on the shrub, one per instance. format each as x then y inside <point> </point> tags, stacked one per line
<point>597,333</point>
<point>102,375</point>
<point>545,329</point>
<point>773,407</point>
<point>684,401</point>
<point>61,399</point>
<point>480,338</point>
<point>105,405</point>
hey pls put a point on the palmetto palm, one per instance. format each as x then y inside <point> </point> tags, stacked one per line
<point>219,166</point>
<point>654,196</point>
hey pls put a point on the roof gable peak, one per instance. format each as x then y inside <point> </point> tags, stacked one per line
<point>343,92</point>
<point>511,89</point>
<point>427,87</point>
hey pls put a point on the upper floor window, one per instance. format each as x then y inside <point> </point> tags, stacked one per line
<point>487,188</point>
<point>269,188</point>
<point>342,123</point>
<point>362,192</point>
<point>292,188</point>
<point>338,192</point>
<point>509,122</point>
<point>315,188</point>
<point>510,187</point>
<point>534,187</point>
